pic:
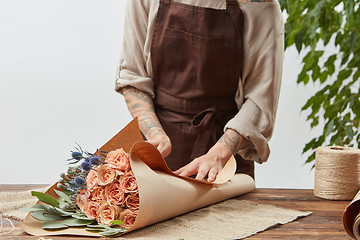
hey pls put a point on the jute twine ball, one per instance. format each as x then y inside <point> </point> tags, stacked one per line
<point>336,172</point>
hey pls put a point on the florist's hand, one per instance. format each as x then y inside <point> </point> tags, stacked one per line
<point>209,164</point>
<point>162,142</point>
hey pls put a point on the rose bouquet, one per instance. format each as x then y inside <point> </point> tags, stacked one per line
<point>124,186</point>
<point>100,193</point>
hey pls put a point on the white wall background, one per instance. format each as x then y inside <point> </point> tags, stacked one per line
<point>57,66</point>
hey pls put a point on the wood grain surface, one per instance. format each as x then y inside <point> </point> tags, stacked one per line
<point>324,223</point>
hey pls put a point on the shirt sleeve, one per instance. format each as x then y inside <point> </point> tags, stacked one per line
<point>258,92</point>
<point>134,58</point>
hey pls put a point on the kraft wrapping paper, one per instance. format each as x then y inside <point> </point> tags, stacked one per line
<point>162,194</point>
<point>351,217</point>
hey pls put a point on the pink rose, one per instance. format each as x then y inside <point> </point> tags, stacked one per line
<point>108,213</point>
<point>91,180</point>
<point>132,202</point>
<point>114,193</point>
<point>119,160</point>
<point>128,183</point>
<point>98,194</point>
<point>106,175</point>
<point>92,209</point>
<point>82,199</point>
<point>128,216</point>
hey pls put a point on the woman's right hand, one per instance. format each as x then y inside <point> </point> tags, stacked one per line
<point>162,142</point>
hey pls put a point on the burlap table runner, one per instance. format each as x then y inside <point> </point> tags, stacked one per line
<point>230,219</point>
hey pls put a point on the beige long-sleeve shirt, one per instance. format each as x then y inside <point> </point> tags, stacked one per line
<point>258,90</point>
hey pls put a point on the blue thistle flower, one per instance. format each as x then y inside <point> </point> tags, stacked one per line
<point>86,166</point>
<point>94,160</point>
<point>79,181</point>
<point>76,155</point>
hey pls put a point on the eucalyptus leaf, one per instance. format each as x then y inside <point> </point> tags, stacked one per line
<point>53,225</point>
<point>45,198</point>
<point>95,229</point>
<point>45,216</point>
<point>36,207</point>
<point>63,196</point>
<point>98,225</point>
<point>63,212</point>
<point>44,208</point>
<point>113,232</point>
<point>73,222</point>
<point>80,216</point>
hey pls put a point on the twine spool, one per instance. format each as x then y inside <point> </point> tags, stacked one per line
<point>336,172</point>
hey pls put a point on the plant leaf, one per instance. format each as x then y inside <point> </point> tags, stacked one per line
<point>99,225</point>
<point>117,222</point>
<point>44,216</point>
<point>53,225</point>
<point>37,207</point>
<point>62,212</point>
<point>113,232</point>
<point>73,222</point>
<point>80,216</point>
<point>45,198</point>
<point>63,196</point>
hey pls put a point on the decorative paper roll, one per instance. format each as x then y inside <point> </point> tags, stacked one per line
<point>351,217</point>
<point>336,172</point>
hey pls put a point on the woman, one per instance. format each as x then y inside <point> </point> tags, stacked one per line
<point>203,78</point>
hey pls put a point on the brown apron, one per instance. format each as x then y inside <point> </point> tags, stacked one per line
<point>197,58</point>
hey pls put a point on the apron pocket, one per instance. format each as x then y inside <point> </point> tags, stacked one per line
<point>196,60</point>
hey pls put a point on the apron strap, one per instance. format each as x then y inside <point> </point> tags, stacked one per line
<point>237,16</point>
<point>205,124</point>
<point>232,4</point>
<point>165,1</point>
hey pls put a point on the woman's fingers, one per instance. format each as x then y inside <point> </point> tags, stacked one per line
<point>212,175</point>
<point>165,149</point>
<point>163,144</point>
<point>187,170</point>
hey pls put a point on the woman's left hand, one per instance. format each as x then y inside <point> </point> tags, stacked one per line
<point>209,164</point>
<point>215,159</point>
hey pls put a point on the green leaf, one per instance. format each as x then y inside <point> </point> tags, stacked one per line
<point>299,40</point>
<point>53,225</point>
<point>43,208</point>
<point>73,222</point>
<point>113,232</point>
<point>63,212</point>
<point>99,225</point>
<point>356,75</point>
<point>344,74</point>
<point>329,128</point>
<point>309,145</point>
<point>45,198</point>
<point>80,216</point>
<point>95,229</point>
<point>36,207</point>
<point>349,132</point>
<point>311,158</point>
<point>63,196</point>
<point>44,216</point>
<point>117,222</point>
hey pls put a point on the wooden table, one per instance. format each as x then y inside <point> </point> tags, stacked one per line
<point>324,223</point>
